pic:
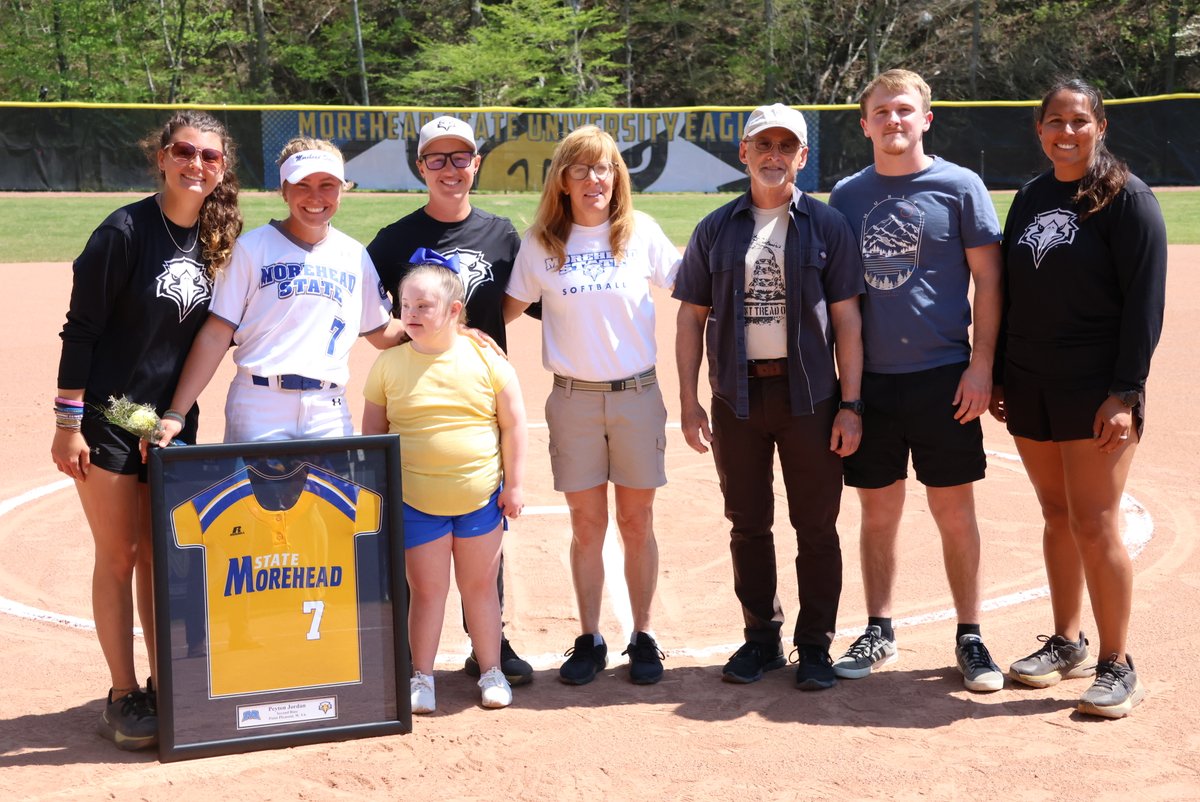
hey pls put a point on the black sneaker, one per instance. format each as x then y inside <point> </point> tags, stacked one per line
<point>584,660</point>
<point>516,670</point>
<point>815,669</point>
<point>750,661</point>
<point>645,660</point>
<point>1116,690</point>
<point>128,722</point>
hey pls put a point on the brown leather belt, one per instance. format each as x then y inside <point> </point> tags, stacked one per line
<point>646,379</point>
<point>766,368</point>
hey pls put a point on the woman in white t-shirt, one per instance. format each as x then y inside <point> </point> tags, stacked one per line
<point>590,259</point>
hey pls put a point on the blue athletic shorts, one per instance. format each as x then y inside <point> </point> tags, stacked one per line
<point>421,527</point>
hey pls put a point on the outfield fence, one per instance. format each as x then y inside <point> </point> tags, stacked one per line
<point>72,147</point>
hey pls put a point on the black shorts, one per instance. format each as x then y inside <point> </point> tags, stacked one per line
<point>1054,414</point>
<point>116,450</point>
<point>913,413</point>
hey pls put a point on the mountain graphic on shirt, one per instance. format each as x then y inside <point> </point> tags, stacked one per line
<point>890,238</point>
<point>891,242</point>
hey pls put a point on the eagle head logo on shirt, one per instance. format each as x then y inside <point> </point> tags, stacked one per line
<point>474,269</point>
<point>1047,230</point>
<point>185,282</point>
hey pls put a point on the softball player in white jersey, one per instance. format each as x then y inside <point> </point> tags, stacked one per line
<point>294,297</point>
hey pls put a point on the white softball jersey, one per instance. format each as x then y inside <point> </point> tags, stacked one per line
<point>298,308</point>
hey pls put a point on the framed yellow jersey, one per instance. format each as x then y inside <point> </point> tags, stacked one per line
<point>282,592</point>
<point>279,592</point>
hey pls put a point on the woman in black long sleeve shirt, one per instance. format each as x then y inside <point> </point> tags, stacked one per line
<point>141,290</point>
<point>1085,271</point>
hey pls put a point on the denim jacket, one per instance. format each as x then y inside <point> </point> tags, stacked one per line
<point>822,266</point>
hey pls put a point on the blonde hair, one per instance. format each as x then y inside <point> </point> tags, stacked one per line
<point>897,81</point>
<point>552,224</point>
<point>447,282</point>
<point>299,144</point>
<point>220,216</point>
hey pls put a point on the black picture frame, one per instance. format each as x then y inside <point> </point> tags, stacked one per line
<point>269,586</point>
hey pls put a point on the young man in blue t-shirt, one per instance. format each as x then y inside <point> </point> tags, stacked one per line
<point>926,228</point>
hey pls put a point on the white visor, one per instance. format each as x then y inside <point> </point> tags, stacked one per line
<point>300,165</point>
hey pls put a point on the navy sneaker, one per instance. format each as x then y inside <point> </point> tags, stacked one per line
<point>584,660</point>
<point>645,660</point>
<point>815,669</point>
<point>750,661</point>
<point>128,722</point>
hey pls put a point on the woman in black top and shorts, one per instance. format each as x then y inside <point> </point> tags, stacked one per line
<point>1085,251</point>
<point>141,290</point>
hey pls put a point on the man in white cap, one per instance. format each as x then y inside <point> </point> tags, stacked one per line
<point>775,276</point>
<point>485,245</point>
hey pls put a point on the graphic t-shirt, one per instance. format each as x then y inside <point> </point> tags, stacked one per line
<point>766,305</point>
<point>1083,298</point>
<point>282,585</point>
<point>597,313</point>
<point>485,244</point>
<point>137,302</point>
<point>913,233</point>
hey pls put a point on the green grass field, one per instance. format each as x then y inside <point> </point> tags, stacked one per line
<point>53,228</point>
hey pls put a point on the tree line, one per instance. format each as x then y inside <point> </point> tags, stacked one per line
<point>574,53</point>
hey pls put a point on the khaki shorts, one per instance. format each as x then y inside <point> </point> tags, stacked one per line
<point>598,437</point>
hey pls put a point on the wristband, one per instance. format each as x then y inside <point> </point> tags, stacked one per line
<point>67,402</point>
<point>174,415</point>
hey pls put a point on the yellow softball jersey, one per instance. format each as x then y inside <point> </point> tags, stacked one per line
<point>282,589</point>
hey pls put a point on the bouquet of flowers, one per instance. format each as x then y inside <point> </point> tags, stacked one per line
<point>137,419</point>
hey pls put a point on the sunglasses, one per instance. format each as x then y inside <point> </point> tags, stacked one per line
<point>460,158</point>
<point>184,152</point>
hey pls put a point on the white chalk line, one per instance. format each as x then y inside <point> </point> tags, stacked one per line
<point>1139,530</point>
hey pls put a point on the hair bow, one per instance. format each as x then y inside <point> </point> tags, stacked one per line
<point>428,256</point>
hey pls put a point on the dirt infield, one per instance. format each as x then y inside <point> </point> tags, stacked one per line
<point>909,732</point>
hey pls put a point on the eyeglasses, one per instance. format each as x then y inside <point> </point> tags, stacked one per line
<point>789,148</point>
<point>460,158</point>
<point>580,171</point>
<point>184,152</point>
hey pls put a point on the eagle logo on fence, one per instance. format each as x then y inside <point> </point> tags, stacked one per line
<point>185,282</point>
<point>1048,230</point>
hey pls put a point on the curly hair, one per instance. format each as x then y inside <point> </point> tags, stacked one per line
<point>1106,174</point>
<point>552,224</point>
<point>220,216</point>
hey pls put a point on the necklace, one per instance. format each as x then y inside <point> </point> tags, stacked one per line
<point>178,247</point>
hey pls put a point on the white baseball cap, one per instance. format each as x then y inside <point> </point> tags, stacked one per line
<point>777,115</point>
<point>301,165</point>
<point>446,126</point>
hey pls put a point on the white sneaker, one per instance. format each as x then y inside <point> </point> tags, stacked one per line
<point>494,688</point>
<point>421,689</point>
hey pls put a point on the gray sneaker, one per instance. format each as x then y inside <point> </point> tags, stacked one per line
<point>128,722</point>
<point>1115,691</point>
<point>867,652</point>
<point>1058,659</point>
<point>980,672</point>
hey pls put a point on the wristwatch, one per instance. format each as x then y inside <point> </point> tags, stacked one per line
<point>855,406</point>
<point>1128,398</point>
